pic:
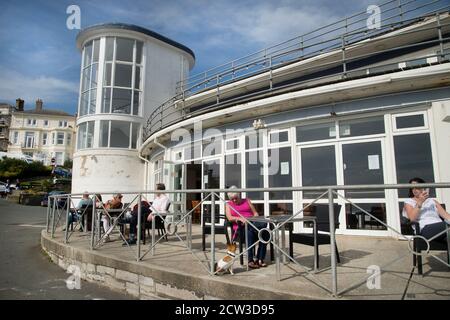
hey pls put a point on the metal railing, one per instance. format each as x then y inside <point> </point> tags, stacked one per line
<point>173,228</point>
<point>336,38</point>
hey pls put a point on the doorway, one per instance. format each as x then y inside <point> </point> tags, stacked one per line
<point>194,181</point>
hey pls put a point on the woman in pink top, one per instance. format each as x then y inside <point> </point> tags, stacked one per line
<point>246,210</point>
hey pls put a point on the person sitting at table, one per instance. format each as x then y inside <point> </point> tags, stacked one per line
<point>160,202</point>
<point>246,209</point>
<point>114,203</point>
<point>133,221</point>
<point>80,209</point>
<point>426,211</point>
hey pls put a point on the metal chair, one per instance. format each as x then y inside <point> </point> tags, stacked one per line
<point>420,245</point>
<point>320,211</point>
<point>218,228</point>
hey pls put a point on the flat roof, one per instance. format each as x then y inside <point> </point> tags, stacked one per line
<point>135,28</point>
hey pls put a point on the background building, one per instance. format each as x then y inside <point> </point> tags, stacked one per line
<point>42,134</point>
<point>6,111</point>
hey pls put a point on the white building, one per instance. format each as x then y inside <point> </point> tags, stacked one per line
<point>351,106</point>
<point>127,72</point>
<point>42,134</point>
<point>6,111</point>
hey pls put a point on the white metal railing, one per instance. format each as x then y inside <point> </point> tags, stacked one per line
<point>60,205</point>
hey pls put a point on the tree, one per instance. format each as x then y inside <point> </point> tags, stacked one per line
<point>19,169</point>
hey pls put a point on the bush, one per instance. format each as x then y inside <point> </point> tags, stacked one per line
<point>19,169</point>
<point>68,164</point>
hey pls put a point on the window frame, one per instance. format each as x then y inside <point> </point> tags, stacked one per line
<point>407,114</point>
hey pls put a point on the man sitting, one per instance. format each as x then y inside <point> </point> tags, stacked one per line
<point>133,221</point>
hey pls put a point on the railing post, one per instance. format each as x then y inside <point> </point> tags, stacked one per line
<point>441,45</point>
<point>53,218</point>
<point>344,65</point>
<point>271,75</point>
<point>218,90</point>
<point>48,215</point>
<point>66,231</point>
<point>213,232</point>
<point>92,225</point>
<point>139,229</point>
<point>332,242</point>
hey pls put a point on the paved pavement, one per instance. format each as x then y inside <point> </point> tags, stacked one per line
<point>26,272</point>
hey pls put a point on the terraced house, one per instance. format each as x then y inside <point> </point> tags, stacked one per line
<point>42,134</point>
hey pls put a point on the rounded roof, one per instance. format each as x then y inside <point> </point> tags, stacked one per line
<point>131,27</point>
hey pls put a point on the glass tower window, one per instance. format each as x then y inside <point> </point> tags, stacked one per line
<point>118,134</point>
<point>89,77</point>
<point>122,78</point>
<point>85,135</point>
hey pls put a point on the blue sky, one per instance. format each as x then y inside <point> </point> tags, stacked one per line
<point>39,58</point>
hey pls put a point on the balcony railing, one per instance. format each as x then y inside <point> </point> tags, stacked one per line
<point>336,39</point>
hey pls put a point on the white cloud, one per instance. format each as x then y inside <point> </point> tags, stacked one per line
<point>16,85</point>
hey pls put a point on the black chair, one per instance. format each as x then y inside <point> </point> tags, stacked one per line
<point>85,213</point>
<point>159,224</point>
<point>420,245</point>
<point>320,211</point>
<point>218,228</point>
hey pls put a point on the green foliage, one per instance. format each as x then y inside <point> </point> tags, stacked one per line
<point>18,169</point>
<point>68,164</point>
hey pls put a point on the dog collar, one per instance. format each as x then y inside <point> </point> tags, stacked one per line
<point>231,253</point>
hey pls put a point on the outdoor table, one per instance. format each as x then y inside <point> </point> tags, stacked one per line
<point>276,221</point>
<point>113,213</point>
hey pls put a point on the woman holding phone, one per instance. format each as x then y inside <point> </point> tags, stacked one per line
<point>426,211</point>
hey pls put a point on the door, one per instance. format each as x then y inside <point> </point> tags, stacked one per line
<point>174,179</point>
<point>362,163</point>
<point>211,180</point>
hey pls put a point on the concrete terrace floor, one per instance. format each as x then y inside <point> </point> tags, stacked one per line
<point>357,253</point>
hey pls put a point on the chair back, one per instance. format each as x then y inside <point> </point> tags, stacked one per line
<point>323,217</point>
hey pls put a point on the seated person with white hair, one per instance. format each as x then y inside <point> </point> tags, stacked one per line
<point>237,210</point>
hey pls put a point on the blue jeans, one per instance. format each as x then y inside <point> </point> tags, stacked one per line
<point>433,229</point>
<point>253,237</point>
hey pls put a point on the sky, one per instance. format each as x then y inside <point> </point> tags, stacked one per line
<point>39,58</point>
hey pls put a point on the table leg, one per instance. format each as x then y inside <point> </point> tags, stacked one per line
<point>315,246</point>
<point>283,243</point>
<point>153,234</point>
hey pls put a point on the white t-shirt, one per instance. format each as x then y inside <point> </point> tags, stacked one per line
<point>160,203</point>
<point>428,214</point>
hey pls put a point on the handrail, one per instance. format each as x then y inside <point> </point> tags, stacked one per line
<point>274,59</point>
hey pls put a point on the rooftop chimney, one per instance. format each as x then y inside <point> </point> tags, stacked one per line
<point>19,104</point>
<point>39,105</point>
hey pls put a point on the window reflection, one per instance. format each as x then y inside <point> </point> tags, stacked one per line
<point>357,219</point>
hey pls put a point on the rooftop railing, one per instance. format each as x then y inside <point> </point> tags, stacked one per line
<point>210,92</point>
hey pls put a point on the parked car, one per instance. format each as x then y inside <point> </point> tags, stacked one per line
<point>3,189</point>
<point>62,172</point>
<point>61,202</point>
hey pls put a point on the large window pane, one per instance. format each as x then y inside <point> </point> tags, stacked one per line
<point>106,100</point>
<point>139,45</point>
<point>233,176</point>
<point>85,79</point>
<point>357,219</point>
<point>211,146</point>
<point>108,74</point>
<point>120,134</point>
<point>121,102</point>
<point>361,127</point>
<point>413,159</point>
<point>254,173</point>
<point>124,49</point>
<point>276,209</point>
<point>316,132</point>
<point>96,49</point>
<point>90,134</point>
<point>94,75</point>
<point>412,121</point>
<point>82,136</point>
<point>254,140</point>
<point>122,75</point>
<point>280,172</point>
<point>104,132</point>
<point>137,78</point>
<point>93,100</point>
<point>363,164</point>
<point>109,50</point>
<point>88,54</point>
<point>136,102</point>
<point>84,103</point>
<point>318,169</point>
<point>134,135</point>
